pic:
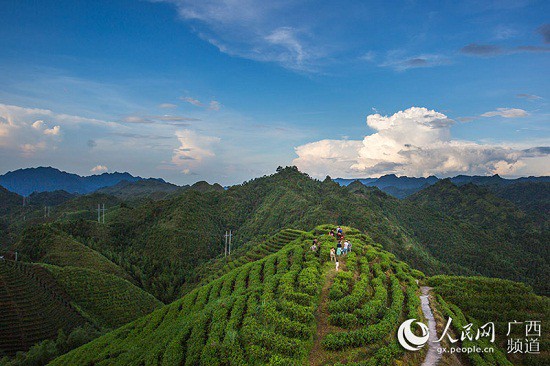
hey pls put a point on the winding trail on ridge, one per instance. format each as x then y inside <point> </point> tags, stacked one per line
<point>432,357</point>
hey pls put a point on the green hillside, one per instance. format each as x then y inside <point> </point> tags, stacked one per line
<point>8,200</point>
<point>289,308</point>
<point>105,299</point>
<point>249,252</point>
<point>39,300</point>
<point>500,301</point>
<point>495,237</point>
<point>161,244</point>
<point>33,307</point>
<point>46,244</point>
<point>145,189</point>
<point>54,198</point>
<point>529,196</point>
<point>10,207</point>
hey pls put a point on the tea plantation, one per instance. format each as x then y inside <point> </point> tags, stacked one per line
<point>32,307</point>
<point>36,301</point>
<point>287,308</point>
<point>105,299</point>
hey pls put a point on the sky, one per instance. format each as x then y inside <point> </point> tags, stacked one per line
<point>226,91</point>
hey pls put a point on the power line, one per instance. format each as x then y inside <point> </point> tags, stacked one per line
<point>101,213</point>
<point>227,246</point>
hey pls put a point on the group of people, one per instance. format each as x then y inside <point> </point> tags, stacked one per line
<point>342,248</point>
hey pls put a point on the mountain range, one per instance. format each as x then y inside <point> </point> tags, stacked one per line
<point>404,186</point>
<point>47,179</point>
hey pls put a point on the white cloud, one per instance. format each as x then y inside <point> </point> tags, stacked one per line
<point>529,96</point>
<point>506,113</point>
<point>25,130</point>
<point>193,101</point>
<point>29,150</point>
<point>99,169</point>
<point>54,131</point>
<point>193,150</point>
<point>214,105</point>
<point>255,29</point>
<point>39,125</point>
<point>166,119</point>
<point>397,61</point>
<point>414,142</point>
<point>167,106</point>
<point>334,157</point>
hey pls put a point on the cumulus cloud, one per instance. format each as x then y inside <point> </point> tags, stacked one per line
<point>193,150</point>
<point>99,169</point>
<point>29,130</point>
<point>413,142</point>
<point>506,113</point>
<point>54,131</point>
<point>42,127</point>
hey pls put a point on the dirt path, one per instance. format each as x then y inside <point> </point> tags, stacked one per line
<point>321,318</point>
<point>432,357</point>
<point>318,355</point>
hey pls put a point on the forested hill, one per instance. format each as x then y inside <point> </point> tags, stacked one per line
<point>496,236</point>
<point>160,244</point>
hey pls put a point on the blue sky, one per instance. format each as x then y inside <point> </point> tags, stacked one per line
<point>228,90</point>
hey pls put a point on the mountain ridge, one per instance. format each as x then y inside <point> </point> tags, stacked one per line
<point>44,179</point>
<point>404,186</point>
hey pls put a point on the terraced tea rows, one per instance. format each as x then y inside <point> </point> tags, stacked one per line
<point>259,312</point>
<point>499,301</point>
<point>289,308</point>
<point>248,253</point>
<point>364,306</point>
<point>263,312</point>
<point>108,301</point>
<point>32,307</point>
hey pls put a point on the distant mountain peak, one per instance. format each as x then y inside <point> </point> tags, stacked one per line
<point>47,179</point>
<point>404,186</point>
